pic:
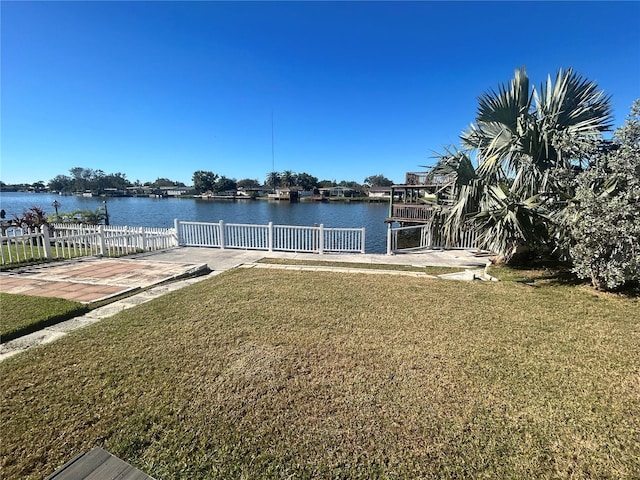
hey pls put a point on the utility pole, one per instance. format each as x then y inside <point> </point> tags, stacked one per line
<point>273,158</point>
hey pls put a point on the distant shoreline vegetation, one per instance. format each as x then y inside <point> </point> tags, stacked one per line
<point>323,196</point>
<point>90,182</point>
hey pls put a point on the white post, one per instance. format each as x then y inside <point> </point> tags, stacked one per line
<point>176,227</point>
<point>221,234</point>
<point>321,239</point>
<point>389,233</point>
<point>270,235</point>
<point>46,244</point>
<point>363,241</point>
<point>143,240</point>
<point>103,243</point>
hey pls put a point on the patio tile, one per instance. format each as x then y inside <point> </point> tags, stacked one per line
<point>91,279</point>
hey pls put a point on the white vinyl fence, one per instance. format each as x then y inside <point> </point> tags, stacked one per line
<point>428,236</point>
<point>270,237</point>
<point>19,245</point>
<point>69,240</point>
<point>72,240</point>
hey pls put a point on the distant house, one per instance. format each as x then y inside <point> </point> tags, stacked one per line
<point>254,191</point>
<point>379,192</point>
<point>114,192</point>
<point>139,190</point>
<point>174,191</point>
<point>291,194</point>
<point>336,191</point>
<point>284,193</point>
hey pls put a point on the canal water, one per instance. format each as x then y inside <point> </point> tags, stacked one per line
<point>161,212</point>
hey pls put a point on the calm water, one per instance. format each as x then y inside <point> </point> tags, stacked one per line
<point>160,212</point>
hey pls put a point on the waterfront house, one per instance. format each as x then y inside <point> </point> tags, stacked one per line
<point>291,194</point>
<point>379,192</point>
<point>336,192</point>
<point>174,191</point>
<point>115,192</point>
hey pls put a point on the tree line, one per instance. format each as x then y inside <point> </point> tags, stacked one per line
<point>98,182</point>
<point>207,181</point>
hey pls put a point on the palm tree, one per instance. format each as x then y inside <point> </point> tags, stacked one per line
<point>288,178</point>
<point>528,144</point>
<point>273,180</point>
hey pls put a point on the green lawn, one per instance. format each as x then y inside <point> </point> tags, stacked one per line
<point>16,256</point>
<point>22,314</point>
<point>269,374</point>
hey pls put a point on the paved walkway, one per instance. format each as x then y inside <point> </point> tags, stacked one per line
<point>218,259</point>
<point>125,283</point>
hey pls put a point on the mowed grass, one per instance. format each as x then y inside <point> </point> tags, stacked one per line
<point>15,256</point>
<point>259,374</point>
<point>22,314</point>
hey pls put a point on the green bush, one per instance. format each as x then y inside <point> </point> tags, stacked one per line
<point>604,222</point>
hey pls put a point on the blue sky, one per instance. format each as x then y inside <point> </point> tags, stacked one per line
<point>162,89</point>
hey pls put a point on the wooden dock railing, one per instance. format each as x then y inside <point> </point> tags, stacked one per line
<point>406,212</point>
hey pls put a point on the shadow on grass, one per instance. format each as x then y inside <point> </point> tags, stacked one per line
<point>538,270</point>
<point>543,273</point>
<point>12,334</point>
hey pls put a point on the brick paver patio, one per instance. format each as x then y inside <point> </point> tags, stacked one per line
<point>91,279</point>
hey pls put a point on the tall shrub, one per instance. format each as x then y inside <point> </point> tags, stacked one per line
<point>604,219</point>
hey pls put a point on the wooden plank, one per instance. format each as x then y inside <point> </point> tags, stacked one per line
<point>98,464</point>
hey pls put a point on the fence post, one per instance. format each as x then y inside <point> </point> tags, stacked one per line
<point>176,227</point>
<point>221,234</point>
<point>321,239</point>
<point>362,249</point>
<point>270,236</point>
<point>46,244</point>
<point>389,240</point>
<point>143,239</point>
<point>103,243</point>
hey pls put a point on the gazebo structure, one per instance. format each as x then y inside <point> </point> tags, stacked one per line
<point>419,198</point>
<point>418,206</point>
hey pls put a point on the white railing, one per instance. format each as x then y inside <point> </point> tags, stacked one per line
<point>349,239</point>
<point>72,240</point>
<point>428,236</point>
<point>270,237</point>
<point>75,240</point>
<point>109,240</point>
<point>19,246</point>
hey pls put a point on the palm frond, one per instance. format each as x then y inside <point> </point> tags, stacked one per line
<point>506,223</point>
<point>508,104</point>
<point>573,105</point>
